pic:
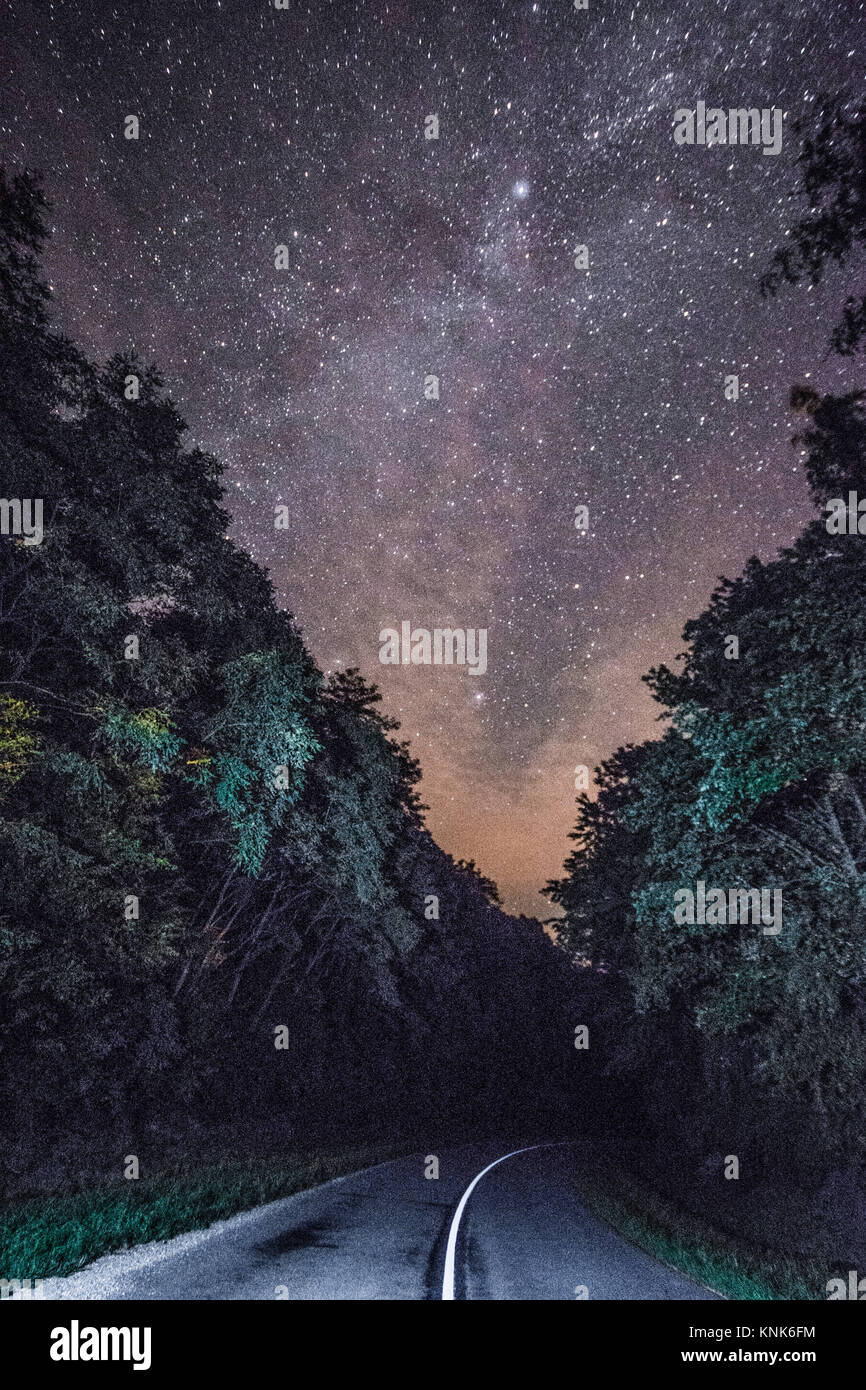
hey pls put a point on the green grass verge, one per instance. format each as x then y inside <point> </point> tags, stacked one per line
<point>693,1246</point>
<point>45,1236</point>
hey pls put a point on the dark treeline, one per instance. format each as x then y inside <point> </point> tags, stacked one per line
<point>717,1038</point>
<point>207,848</point>
<point>217,923</point>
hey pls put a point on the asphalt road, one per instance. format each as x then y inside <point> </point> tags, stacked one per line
<point>384,1234</point>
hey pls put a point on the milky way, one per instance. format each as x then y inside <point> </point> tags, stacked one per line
<point>455,257</point>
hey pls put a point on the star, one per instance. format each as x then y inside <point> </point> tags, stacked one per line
<point>409,260</point>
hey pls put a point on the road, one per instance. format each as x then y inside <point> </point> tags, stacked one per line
<point>522,1233</point>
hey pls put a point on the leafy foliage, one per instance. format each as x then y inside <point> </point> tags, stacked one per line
<point>206,840</point>
<point>832,162</point>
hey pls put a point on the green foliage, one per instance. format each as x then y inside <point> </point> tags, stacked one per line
<point>18,743</point>
<point>831,162</point>
<point>727,1264</point>
<point>56,1236</point>
<point>758,781</point>
<point>147,735</point>
<point>263,723</point>
<point>206,839</point>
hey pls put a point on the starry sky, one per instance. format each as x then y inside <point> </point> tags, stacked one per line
<point>559,387</point>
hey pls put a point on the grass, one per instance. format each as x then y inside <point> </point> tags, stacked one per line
<point>56,1235</point>
<point>693,1246</point>
<point>42,1237</point>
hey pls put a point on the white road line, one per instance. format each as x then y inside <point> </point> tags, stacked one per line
<point>451,1248</point>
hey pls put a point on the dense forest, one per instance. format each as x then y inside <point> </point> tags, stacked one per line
<point>725,1037</point>
<point>222,921</point>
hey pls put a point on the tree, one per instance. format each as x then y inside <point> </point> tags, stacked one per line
<point>203,838</point>
<point>832,163</point>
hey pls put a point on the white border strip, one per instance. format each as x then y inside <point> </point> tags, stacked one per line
<point>451,1248</point>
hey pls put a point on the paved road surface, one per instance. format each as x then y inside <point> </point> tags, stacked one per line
<point>383,1234</point>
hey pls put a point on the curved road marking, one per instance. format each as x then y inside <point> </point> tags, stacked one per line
<point>451,1248</point>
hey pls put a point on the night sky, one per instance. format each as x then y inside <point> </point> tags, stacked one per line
<point>455,257</point>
